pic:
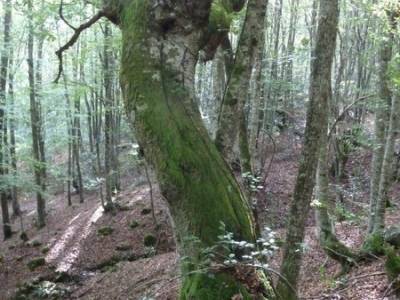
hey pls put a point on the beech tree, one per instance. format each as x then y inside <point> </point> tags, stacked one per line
<point>161,44</point>
<point>317,126</point>
<point>4,63</point>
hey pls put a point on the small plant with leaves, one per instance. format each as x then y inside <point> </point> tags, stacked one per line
<point>252,182</point>
<point>244,253</point>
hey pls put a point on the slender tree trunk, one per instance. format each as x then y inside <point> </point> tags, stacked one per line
<point>77,136</point>
<point>320,93</point>
<point>231,128</point>
<point>327,238</point>
<point>387,167</point>
<point>272,92</point>
<point>3,83</point>
<point>108,119</point>
<point>13,155</point>
<point>70,138</point>
<point>35,125</point>
<point>39,110</point>
<point>381,121</point>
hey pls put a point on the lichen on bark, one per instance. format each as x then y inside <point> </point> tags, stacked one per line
<point>160,47</point>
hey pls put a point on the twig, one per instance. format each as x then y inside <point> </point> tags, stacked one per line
<point>389,290</point>
<point>345,110</point>
<point>75,36</point>
<point>60,12</point>
<point>286,281</point>
<point>368,275</point>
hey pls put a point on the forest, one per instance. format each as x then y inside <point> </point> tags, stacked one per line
<point>200,150</point>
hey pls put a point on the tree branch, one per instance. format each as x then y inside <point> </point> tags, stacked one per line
<point>60,12</point>
<point>345,110</point>
<point>74,38</point>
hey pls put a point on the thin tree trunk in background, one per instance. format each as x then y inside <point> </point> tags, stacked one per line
<point>290,51</point>
<point>381,121</point>
<point>70,137</point>
<point>232,121</point>
<point>273,90</point>
<point>4,62</point>
<point>108,119</point>
<point>387,167</point>
<point>35,125</point>
<point>327,238</point>
<point>316,127</point>
<point>77,135</point>
<point>40,119</point>
<point>13,154</point>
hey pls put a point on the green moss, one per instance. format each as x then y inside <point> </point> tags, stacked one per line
<point>193,177</point>
<point>35,243</point>
<point>36,262</point>
<point>123,247</point>
<point>374,244</point>
<point>104,231</point>
<point>133,224</point>
<point>45,250</point>
<point>392,264</point>
<point>220,18</point>
<point>150,240</point>
<point>190,170</point>
<point>109,263</point>
<point>146,211</point>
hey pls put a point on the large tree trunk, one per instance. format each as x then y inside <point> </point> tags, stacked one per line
<point>320,93</point>
<point>160,47</point>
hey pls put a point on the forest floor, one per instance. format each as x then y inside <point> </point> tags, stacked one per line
<point>92,255</point>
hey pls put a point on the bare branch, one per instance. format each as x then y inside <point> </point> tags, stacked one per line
<point>345,110</point>
<point>74,38</point>
<point>60,12</point>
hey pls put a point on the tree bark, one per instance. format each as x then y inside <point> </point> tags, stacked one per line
<point>160,47</point>
<point>381,121</point>
<point>3,83</point>
<point>387,167</point>
<point>232,121</point>
<point>327,238</point>
<point>109,154</point>
<point>13,155</point>
<point>35,125</point>
<point>320,93</point>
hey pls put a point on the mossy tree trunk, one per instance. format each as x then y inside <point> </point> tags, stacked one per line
<point>320,93</point>
<point>232,122</point>
<point>381,120</point>
<point>387,167</point>
<point>160,48</point>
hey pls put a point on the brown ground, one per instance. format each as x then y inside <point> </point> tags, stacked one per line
<point>139,272</point>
